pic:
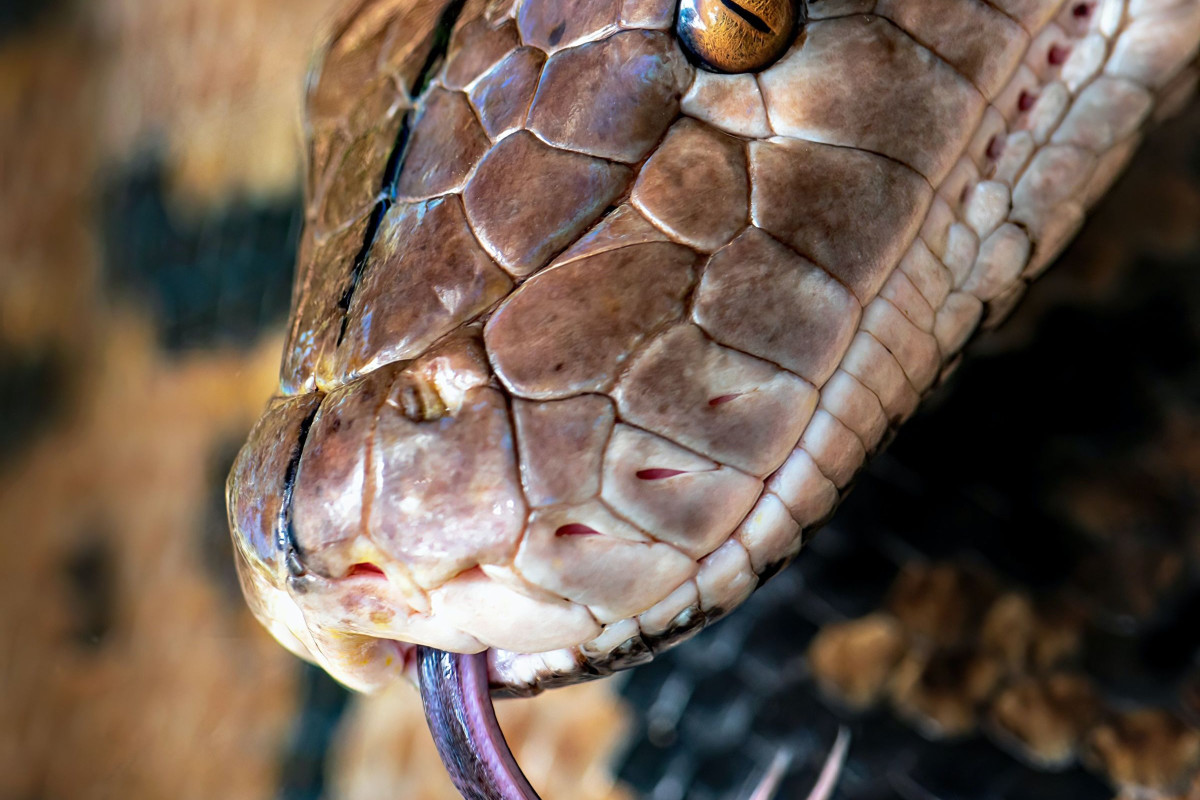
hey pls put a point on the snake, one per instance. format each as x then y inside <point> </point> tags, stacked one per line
<point>601,305</point>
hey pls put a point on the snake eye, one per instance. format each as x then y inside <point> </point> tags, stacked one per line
<point>737,35</point>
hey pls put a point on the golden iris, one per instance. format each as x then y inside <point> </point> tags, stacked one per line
<point>737,35</point>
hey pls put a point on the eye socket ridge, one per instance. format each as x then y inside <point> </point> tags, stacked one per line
<point>738,35</point>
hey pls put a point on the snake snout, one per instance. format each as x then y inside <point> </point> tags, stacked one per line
<point>386,512</point>
<point>289,597</point>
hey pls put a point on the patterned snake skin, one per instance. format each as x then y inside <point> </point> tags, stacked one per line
<point>586,340</point>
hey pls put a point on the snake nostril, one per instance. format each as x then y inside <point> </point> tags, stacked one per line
<point>658,473</point>
<point>995,147</point>
<point>366,569</point>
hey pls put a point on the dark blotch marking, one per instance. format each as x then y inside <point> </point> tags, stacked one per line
<point>323,702</point>
<point>221,278</point>
<point>557,33</point>
<point>752,19</point>
<point>90,573</point>
<point>19,16</point>
<point>33,394</point>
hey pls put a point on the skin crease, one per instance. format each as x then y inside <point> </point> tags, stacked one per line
<point>477,246</point>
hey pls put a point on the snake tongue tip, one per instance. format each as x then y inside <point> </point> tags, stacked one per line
<point>827,780</point>
<point>831,771</point>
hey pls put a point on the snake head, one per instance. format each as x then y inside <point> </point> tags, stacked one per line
<point>586,338</point>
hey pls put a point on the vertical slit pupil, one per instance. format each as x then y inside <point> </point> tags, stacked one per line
<point>752,19</point>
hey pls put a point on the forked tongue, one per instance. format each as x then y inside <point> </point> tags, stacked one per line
<point>458,708</point>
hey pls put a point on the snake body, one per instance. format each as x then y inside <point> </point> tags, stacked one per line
<point>586,340</point>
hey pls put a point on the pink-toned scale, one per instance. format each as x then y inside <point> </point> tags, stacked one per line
<point>594,320</point>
